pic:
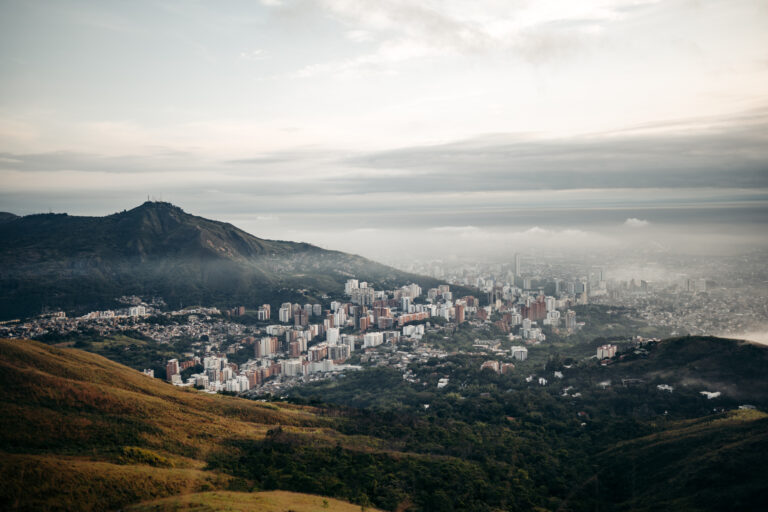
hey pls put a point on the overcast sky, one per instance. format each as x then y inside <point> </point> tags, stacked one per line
<point>370,126</point>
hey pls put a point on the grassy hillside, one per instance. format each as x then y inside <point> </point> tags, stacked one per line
<point>79,432</point>
<point>268,501</point>
<point>49,482</point>
<point>157,249</point>
<point>705,464</point>
<point>82,401</point>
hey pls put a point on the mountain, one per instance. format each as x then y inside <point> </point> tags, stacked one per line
<point>7,217</point>
<point>157,249</point>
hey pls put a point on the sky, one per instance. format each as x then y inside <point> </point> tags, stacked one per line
<point>389,128</point>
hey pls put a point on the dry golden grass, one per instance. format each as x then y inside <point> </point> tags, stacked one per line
<point>270,501</point>
<point>79,399</point>
<point>55,483</point>
<point>80,432</point>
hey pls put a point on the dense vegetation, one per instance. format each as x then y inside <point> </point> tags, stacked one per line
<point>106,436</point>
<point>574,432</point>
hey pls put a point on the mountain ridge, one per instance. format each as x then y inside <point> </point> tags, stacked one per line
<point>157,249</point>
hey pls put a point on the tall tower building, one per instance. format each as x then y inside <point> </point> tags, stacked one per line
<point>171,369</point>
<point>517,265</point>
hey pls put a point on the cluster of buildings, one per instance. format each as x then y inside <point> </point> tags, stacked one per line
<point>497,367</point>
<point>716,295</point>
<point>524,316</point>
<point>310,339</point>
<point>198,323</point>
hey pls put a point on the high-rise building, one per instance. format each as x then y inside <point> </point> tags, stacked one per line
<point>518,265</point>
<point>171,369</point>
<point>606,351</point>
<point>519,353</point>
<point>267,346</point>
<point>264,312</point>
<point>459,313</point>
<point>285,312</point>
<point>570,319</point>
<point>332,335</point>
<point>301,318</point>
<point>373,339</point>
<point>351,284</point>
<point>338,352</point>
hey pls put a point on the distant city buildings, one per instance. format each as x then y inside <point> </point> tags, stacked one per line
<point>310,340</point>
<point>519,353</point>
<point>606,351</point>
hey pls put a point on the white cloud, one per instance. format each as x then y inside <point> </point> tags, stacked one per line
<point>636,223</point>
<point>455,229</point>
<point>469,26</point>
<point>404,30</point>
<point>532,237</point>
<point>256,54</point>
<point>267,218</point>
<point>359,36</point>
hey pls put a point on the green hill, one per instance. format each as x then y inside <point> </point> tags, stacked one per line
<point>157,249</point>
<point>735,368</point>
<point>704,464</point>
<point>80,432</point>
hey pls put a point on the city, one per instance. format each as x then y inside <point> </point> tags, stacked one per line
<point>257,352</point>
<point>369,256</point>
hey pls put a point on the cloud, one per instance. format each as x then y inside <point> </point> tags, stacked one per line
<point>406,30</point>
<point>533,236</point>
<point>257,54</point>
<point>732,153</point>
<point>636,223</point>
<point>153,160</point>
<point>721,162</point>
<point>455,229</point>
<point>359,36</point>
<point>267,218</point>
